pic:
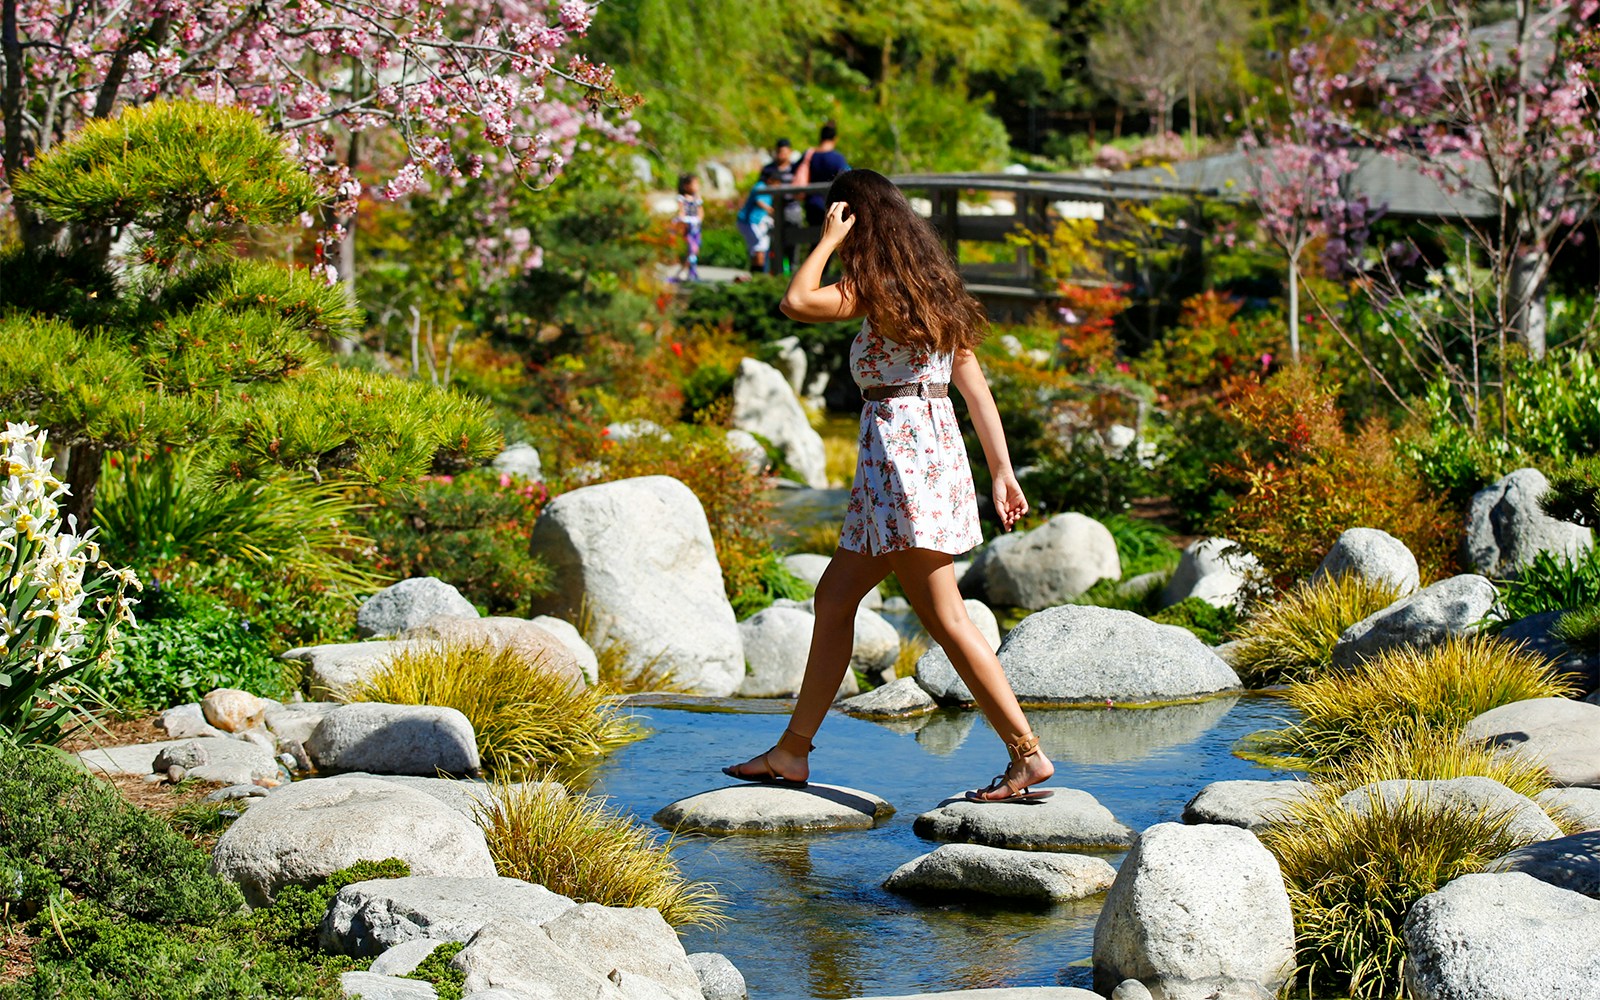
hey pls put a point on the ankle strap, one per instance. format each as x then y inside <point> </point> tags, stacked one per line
<point>1025,746</point>
<point>804,740</point>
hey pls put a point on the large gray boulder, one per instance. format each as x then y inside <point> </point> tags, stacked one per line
<point>1069,820</point>
<point>1078,654</point>
<point>636,557</point>
<point>1003,993</point>
<point>220,759</point>
<point>1374,555</point>
<point>521,460</point>
<point>1502,937</point>
<point>568,635</point>
<point>520,959</point>
<point>1438,612</point>
<point>1568,862</point>
<point>1212,569</point>
<point>633,940</point>
<point>372,986</point>
<point>809,566</point>
<point>465,795</point>
<point>369,918</point>
<point>1559,734</point>
<point>719,978</point>
<point>975,869</point>
<point>394,739</point>
<point>1197,913</point>
<point>1469,796</point>
<point>1254,805</point>
<point>1506,528</point>
<point>759,808</point>
<point>1573,808</point>
<point>308,830</point>
<point>529,641</point>
<point>295,721</point>
<point>1049,565</point>
<point>335,669</point>
<point>765,404</point>
<point>749,449</point>
<point>901,698</point>
<point>408,604</point>
<point>777,642</point>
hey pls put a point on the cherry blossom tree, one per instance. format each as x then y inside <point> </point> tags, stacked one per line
<point>462,88</point>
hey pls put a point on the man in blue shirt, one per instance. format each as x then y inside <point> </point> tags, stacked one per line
<point>820,165</point>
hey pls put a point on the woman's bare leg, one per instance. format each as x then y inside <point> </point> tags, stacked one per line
<point>844,583</point>
<point>929,581</point>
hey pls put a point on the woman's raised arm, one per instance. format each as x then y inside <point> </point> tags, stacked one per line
<point>808,299</point>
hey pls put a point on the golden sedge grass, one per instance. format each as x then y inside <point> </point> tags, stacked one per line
<point>520,711</point>
<point>1441,688</point>
<point>1292,639</point>
<point>905,662</point>
<point>1417,753</point>
<point>580,848</point>
<point>1352,877</point>
<point>821,539</point>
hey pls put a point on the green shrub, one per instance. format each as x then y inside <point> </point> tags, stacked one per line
<point>580,848</point>
<point>1549,582</point>
<point>1352,878</point>
<point>1210,623</point>
<point>471,530</point>
<point>448,981</point>
<point>1143,546</point>
<point>62,828</point>
<point>1442,688</point>
<point>190,645</point>
<point>1292,638</point>
<point>522,713</point>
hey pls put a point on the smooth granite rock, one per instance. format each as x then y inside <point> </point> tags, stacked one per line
<point>764,403</point>
<point>757,808</point>
<point>1577,806</point>
<point>528,640</point>
<point>1004,993</point>
<point>295,721</point>
<point>1425,619</point>
<point>1078,654</point>
<point>227,761</point>
<point>520,959</point>
<point>1571,863</point>
<point>633,940</point>
<point>308,830</point>
<point>1471,796</point>
<point>1197,913</point>
<point>582,653</point>
<point>777,641</point>
<point>1374,555</point>
<point>719,979</point>
<point>1560,734</point>
<point>634,560</point>
<point>408,604</point>
<point>1132,989</point>
<point>1506,527</point>
<point>1066,821</point>
<point>183,722</point>
<point>522,460</point>
<point>1254,805</point>
<point>403,958</point>
<point>749,449</point>
<point>371,986</point>
<point>377,738</point>
<point>465,795</point>
<point>898,699</point>
<point>1212,569</point>
<point>334,669</point>
<point>368,918</point>
<point>1579,665</point>
<point>1502,937</point>
<point>1049,565</point>
<point>975,869</point>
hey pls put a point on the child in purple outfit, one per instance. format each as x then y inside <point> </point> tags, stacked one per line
<point>691,213</point>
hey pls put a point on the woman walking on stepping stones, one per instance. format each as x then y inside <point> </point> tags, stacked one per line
<point>912,506</point>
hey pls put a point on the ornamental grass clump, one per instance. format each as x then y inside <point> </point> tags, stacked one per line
<point>62,604</point>
<point>1352,877</point>
<point>1397,692</point>
<point>580,848</point>
<point>522,712</point>
<point>1292,639</point>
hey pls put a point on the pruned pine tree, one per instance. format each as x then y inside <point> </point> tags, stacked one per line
<point>180,340</point>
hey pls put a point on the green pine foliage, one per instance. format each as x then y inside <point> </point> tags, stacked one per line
<point>190,343</point>
<point>1211,624</point>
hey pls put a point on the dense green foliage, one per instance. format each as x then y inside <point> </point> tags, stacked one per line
<point>1550,582</point>
<point>1211,624</point>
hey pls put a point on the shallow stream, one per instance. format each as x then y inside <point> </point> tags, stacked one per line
<point>808,917</point>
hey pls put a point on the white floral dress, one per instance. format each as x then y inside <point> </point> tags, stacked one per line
<point>913,487</point>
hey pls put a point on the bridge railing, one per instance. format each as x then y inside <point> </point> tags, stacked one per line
<point>1033,200</point>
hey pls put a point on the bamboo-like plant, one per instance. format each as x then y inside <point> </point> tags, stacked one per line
<point>62,604</point>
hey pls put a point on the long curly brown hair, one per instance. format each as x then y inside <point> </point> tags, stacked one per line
<point>899,270</point>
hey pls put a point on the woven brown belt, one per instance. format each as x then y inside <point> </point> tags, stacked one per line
<point>925,390</point>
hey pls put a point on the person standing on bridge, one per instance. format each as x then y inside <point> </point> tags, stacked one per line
<point>821,164</point>
<point>912,506</point>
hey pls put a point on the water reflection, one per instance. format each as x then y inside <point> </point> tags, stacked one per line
<point>1123,735</point>
<point>946,731</point>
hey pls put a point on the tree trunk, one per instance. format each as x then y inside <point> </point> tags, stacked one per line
<point>1294,309</point>
<point>83,479</point>
<point>1530,316</point>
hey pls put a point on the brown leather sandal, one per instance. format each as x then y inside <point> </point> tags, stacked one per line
<point>1024,747</point>
<point>773,777</point>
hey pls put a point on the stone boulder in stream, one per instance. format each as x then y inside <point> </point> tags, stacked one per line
<point>634,558</point>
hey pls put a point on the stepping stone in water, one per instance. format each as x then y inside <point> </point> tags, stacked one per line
<point>1041,876</point>
<point>1068,820</point>
<point>1008,993</point>
<point>899,698</point>
<point>756,808</point>
<point>1254,805</point>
